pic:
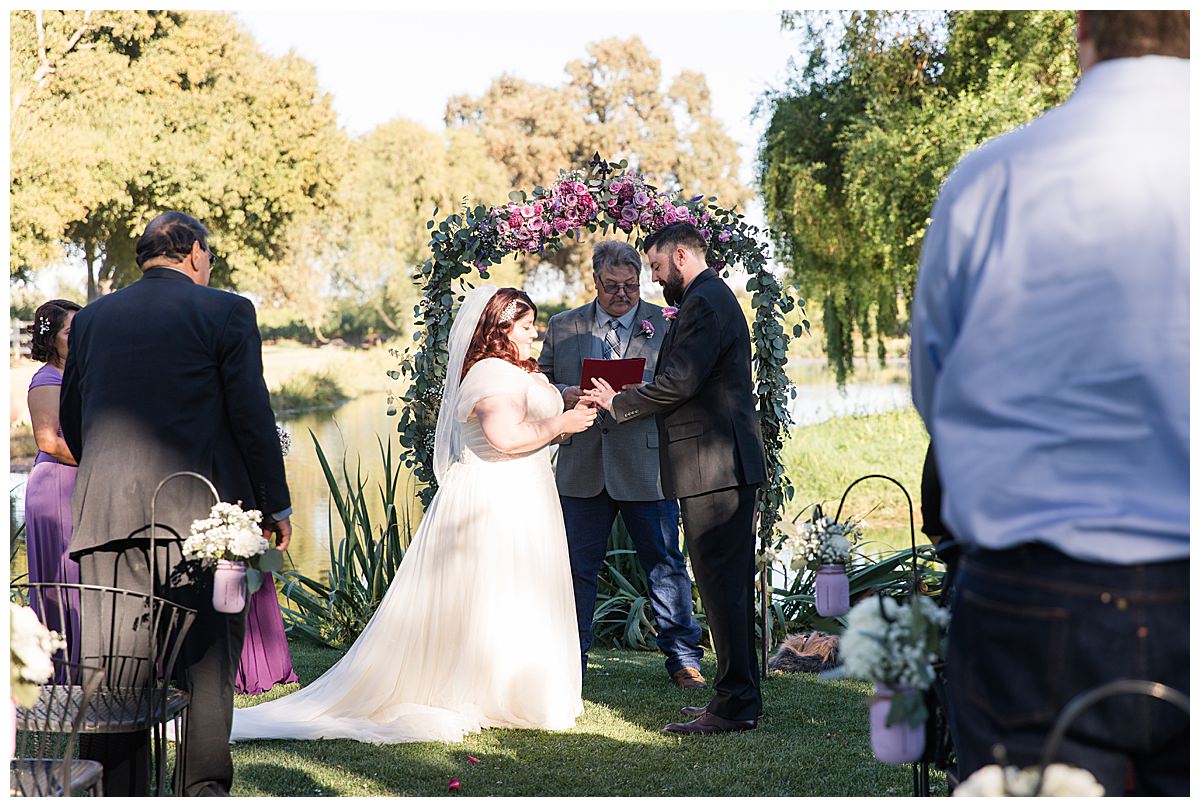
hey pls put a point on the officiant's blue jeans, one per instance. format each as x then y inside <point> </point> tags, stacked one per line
<point>654,529</point>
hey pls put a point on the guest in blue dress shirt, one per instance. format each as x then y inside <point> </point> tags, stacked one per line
<point>1050,364</point>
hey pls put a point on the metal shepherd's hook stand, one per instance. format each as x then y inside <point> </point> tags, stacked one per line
<point>921,767</point>
<point>180,750</point>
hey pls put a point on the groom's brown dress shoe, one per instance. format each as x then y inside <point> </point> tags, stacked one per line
<point>710,724</point>
<point>696,711</point>
<point>688,678</point>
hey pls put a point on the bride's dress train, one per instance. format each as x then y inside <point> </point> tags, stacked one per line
<point>478,627</point>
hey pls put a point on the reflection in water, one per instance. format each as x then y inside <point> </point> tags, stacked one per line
<point>351,434</point>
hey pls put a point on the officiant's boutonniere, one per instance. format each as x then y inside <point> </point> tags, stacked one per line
<point>669,313</point>
<point>647,329</point>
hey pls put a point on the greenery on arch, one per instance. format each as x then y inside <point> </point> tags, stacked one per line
<point>604,198</point>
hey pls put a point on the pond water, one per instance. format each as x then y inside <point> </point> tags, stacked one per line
<point>351,434</point>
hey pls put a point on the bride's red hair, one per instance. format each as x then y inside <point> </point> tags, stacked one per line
<point>490,340</point>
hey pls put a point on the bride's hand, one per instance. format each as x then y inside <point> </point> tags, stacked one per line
<point>578,419</point>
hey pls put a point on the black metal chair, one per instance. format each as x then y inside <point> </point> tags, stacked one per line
<point>134,638</point>
<point>45,760</point>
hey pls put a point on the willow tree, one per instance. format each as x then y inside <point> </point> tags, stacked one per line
<point>859,141</point>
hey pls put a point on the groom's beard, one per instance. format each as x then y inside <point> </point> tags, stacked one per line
<point>673,287</point>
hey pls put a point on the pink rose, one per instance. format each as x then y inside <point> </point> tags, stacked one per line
<point>528,212</point>
<point>669,313</point>
<point>561,225</point>
<point>647,329</point>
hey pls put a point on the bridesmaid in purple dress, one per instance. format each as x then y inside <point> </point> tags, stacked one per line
<point>48,491</point>
<point>266,660</point>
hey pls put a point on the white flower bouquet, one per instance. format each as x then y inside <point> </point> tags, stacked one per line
<point>895,645</point>
<point>1059,780</point>
<point>821,541</point>
<point>31,648</point>
<point>233,534</point>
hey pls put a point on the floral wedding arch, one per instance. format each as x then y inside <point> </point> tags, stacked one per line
<point>605,197</point>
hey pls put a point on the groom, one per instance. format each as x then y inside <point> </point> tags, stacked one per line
<point>712,456</point>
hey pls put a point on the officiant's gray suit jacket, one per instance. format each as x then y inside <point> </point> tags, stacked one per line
<point>621,458</point>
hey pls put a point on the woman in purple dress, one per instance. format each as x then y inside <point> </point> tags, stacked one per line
<point>48,491</point>
<point>266,660</point>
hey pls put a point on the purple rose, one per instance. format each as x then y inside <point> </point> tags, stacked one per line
<point>724,236</point>
<point>628,214</point>
<point>669,216</point>
<point>641,198</point>
<point>647,329</point>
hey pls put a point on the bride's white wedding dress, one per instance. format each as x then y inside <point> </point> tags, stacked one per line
<point>478,627</point>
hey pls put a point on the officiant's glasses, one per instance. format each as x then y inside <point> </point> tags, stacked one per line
<point>613,288</point>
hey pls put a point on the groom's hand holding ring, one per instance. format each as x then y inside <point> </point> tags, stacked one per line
<point>601,394</point>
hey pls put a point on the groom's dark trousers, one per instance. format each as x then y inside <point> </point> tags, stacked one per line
<point>712,459</point>
<point>164,376</point>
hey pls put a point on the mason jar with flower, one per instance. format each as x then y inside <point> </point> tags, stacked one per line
<point>823,546</point>
<point>231,540</point>
<point>894,645</point>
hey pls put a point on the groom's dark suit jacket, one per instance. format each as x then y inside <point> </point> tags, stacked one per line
<point>703,396</point>
<point>163,376</point>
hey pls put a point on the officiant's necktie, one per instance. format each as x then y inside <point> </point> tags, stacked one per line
<point>612,340</point>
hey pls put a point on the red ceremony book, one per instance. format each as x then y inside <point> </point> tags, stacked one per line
<point>617,372</point>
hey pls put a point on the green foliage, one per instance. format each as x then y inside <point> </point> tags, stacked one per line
<point>794,609</point>
<point>308,390</point>
<point>622,616</point>
<point>859,142</point>
<point>119,115</point>
<point>362,564</point>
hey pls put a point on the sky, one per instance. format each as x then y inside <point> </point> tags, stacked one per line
<point>381,65</point>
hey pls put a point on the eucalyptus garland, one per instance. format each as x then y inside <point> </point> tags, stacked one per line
<point>606,197</point>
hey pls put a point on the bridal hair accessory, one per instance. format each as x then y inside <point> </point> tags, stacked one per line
<point>43,325</point>
<point>510,312</point>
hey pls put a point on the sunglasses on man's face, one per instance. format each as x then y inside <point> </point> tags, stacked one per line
<point>613,288</point>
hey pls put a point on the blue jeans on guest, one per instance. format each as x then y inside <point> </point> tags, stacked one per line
<point>654,528</point>
<point>1032,628</point>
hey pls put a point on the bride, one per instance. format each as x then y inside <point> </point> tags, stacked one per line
<point>478,627</point>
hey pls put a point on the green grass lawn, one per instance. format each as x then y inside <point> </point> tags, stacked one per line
<point>822,460</point>
<point>813,741</point>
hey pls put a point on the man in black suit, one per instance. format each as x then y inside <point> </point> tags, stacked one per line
<point>711,450</point>
<point>166,376</point>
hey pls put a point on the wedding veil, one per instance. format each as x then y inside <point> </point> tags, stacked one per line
<point>446,437</point>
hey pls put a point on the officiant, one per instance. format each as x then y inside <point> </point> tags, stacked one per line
<point>613,468</point>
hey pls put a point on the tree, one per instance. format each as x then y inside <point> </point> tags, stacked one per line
<point>120,115</point>
<point>400,175</point>
<point>861,139</point>
<point>613,102</point>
